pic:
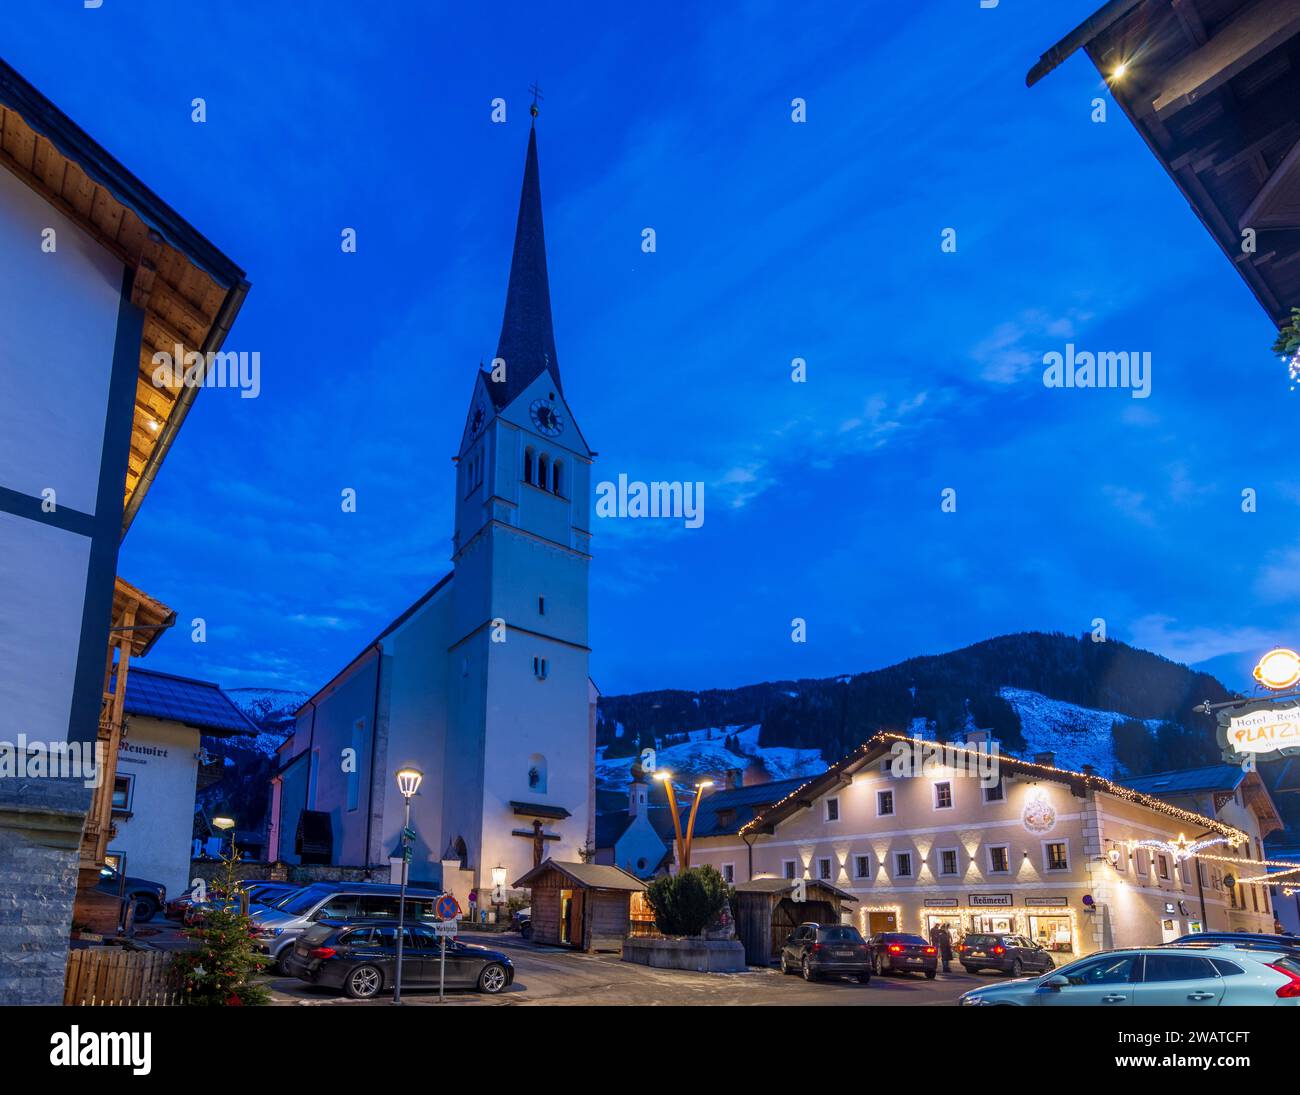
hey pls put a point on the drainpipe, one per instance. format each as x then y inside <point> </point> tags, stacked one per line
<point>750,846</point>
<point>374,734</point>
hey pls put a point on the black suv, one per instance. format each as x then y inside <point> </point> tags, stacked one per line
<point>360,957</point>
<point>147,897</point>
<point>1013,954</point>
<point>817,949</point>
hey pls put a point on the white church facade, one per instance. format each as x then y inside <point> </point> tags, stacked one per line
<point>483,682</point>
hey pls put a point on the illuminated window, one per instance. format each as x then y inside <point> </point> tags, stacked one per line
<point>884,803</point>
<point>824,868</point>
<point>948,861</point>
<point>999,859</point>
<point>1056,856</point>
<point>902,864</point>
<point>943,796</point>
<point>787,868</point>
<point>861,866</point>
<point>832,809</point>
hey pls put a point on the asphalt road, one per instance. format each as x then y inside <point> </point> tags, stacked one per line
<point>545,975</point>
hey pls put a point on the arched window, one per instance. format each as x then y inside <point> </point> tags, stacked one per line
<point>555,476</point>
<point>543,476</point>
<point>537,773</point>
<point>528,464</point>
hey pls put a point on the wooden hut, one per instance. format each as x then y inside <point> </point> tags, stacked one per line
<point>767,912</point>
<point>585,906</point>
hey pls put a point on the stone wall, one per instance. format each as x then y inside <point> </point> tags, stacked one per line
<point>40,836</point>
<point>213,870</point>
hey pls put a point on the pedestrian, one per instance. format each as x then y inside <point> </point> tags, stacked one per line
<point>942,939</point>
<point>473,902</point>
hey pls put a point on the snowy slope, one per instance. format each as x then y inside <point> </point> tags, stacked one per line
<point>271,710</point>
<point>1077,735</point>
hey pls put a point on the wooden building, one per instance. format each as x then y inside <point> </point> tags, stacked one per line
<point>767,912</point>
<point>586,906</point>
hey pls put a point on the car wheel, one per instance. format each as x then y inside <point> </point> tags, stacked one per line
<point>281,962</point>
<point>864,979</point>
<point>930,974</point>
<point>1017,968</point>
<point>970,969</point>
<point>363,982</point>
<point>146,908</point>
<point>526,932</point>
<point>808,974</point>
<point>785,966</point>
<point>1051,964</point>
<point>493,979</point>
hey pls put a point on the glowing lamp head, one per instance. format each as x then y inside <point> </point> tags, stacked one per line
<point>498,876</point>
<point>223,820</point>
<point>1120,70</point>
<point>704,784</point>
<point>663,774</point>
<point>409,780</point>
<point>1279,668</point>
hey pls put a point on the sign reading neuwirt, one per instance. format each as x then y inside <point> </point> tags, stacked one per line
<point>1264,729</point>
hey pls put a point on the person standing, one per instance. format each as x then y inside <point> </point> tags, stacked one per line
<point>942,939</point>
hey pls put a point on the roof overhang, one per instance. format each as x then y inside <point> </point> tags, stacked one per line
<point>138,619</point>
<point>188,290</point>
<point>1211,86</point>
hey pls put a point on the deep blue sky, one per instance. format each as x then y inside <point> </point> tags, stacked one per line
<point>775,240</point>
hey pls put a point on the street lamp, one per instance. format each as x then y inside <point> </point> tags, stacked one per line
<point>683,843</point>
<point>408,783</point>
<point>700,788</point>
<point>498,890</point>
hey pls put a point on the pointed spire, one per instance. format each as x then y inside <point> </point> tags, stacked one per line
<point>527,343</point>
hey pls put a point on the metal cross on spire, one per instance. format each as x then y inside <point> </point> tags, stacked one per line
<point>537,94</point>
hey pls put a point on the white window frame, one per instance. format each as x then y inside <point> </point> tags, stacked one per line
<point>729,880</point>
<point>956,871</point>
<point>952,797</point>
<point>793,872</point>
<point>861,856</point>
<point>829,863</point>
<point>988,861</point>
<point>1069,857</point>
<point>827,808</point>
<point>1001,785</point>
<point>911,865</point>
<point>893,803</point>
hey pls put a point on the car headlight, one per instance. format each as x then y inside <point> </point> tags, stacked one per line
<point>971,1001</point>
<point>273,931</point>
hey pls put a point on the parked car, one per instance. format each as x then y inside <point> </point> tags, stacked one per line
<point>1013,954</point>
<point>899,952</point>
<point>278,928</point>
<point>360,958</point>
<point>1256,940</point>
<point>522,922</point>
<point>1194,976</point>
<point>817,950</point>
<point>147,897</point>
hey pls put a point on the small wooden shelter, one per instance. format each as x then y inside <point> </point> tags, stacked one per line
<point>767,912</point>
<point>586,906</point>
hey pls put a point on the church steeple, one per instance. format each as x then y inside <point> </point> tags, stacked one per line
<point>527,343</point>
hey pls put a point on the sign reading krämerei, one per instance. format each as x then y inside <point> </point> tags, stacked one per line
<point>1263,729</point>
<point>990,901</point>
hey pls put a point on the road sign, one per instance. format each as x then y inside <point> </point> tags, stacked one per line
<point>446,927</point>
<point>448,908</point>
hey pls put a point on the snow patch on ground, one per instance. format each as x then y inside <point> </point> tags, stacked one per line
<point>1077,735</point>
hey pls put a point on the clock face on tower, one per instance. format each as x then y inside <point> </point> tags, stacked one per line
<point>545,417</point>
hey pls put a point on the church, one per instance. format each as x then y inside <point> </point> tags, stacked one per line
<point>482,684</point>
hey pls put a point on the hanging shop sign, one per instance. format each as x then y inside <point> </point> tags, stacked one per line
<point>1278,669</point>
<point>989,901</point>
<point>940,902</point>
<point>1046,902</point>
<point>1260,730</point>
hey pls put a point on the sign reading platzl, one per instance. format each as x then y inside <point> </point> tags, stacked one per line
<point>1263,730</point>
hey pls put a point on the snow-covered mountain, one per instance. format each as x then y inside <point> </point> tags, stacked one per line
<point>271,710</point>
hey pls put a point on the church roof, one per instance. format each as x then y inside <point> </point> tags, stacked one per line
<point>527,343</point>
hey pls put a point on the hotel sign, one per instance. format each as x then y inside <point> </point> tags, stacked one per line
<point>1046,902</point>
<point>990,901</point>
<point>1262,730</point>
<point>940,902</point>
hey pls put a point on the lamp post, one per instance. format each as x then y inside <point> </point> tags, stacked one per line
<point>498,890</point>
<point>408,783</point>
<point>683,842</point>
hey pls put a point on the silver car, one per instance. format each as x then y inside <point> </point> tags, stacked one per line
<point>278,928</point>
<point>1167,976</point>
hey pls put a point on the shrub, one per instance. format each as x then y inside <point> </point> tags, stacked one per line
<point>688,903</point>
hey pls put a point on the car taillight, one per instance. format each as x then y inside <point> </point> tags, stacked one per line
<point>929,950</point>
<point>895,948</point>
<point>999,949</point>
<point>1291,989</point>
<point>322,952</point>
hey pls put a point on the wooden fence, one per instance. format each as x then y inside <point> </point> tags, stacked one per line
<point>114,976</point>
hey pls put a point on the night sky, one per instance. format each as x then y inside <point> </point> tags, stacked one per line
<point>775,240</point>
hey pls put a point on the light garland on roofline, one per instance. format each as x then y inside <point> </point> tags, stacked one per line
<point>1233,836</point>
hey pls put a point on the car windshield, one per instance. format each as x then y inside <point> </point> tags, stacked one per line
<point>842,934</point>
<point>303,901</point>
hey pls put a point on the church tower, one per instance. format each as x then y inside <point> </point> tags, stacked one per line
<point>518,753</point>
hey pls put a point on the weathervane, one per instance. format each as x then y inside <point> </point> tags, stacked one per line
<point>537,94</point>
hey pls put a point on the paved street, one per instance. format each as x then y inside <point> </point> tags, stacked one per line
<point>544,975</point>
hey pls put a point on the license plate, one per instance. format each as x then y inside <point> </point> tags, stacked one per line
<point>977,954</point>
<point>843,954</point>
<point>916,959</point>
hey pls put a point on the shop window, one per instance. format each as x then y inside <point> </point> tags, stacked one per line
<point>999,859</point>
<point>884,803</point>
<point>902,864</point>
<point>787,869</point>
<point>824,869</point>
<point>861,866</point>
<point>1056,856</point>
<point>948,861</point>
<point>943,796</point>
<point>832,809</point>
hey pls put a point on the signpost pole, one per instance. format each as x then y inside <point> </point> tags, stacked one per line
<point>442,969</point>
